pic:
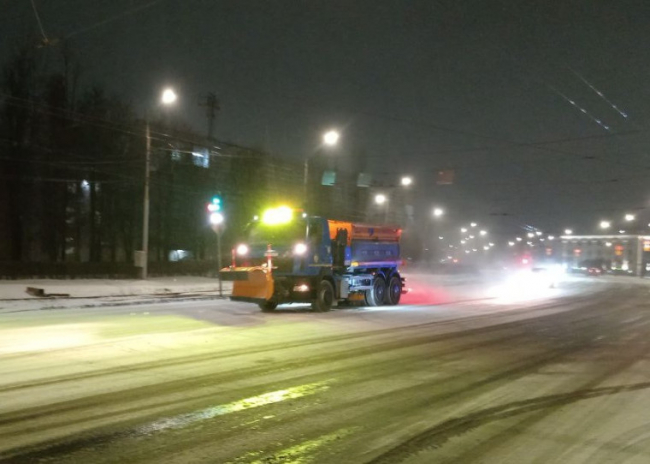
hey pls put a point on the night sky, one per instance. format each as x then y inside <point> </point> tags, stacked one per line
<point>541,107</point>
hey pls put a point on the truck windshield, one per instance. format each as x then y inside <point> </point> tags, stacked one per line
<point>280,234</point>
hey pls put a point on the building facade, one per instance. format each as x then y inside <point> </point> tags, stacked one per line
<point>627,254</point>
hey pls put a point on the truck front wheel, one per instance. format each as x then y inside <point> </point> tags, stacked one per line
<point>375,296</point>
<point>268,305</point>
<point>324,297</point>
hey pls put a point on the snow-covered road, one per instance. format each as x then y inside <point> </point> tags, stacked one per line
<point>563,377</point>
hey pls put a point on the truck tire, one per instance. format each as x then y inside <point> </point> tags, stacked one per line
<point>267,306</point>
<point>324,297</point>
<point>394,291</point>
<point>375,296</point>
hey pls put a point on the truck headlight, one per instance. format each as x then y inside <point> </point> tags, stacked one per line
<point>242,250</point>
<point>300,249</point>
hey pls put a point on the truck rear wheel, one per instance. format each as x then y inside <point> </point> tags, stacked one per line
<point>268,306</point>
<point>394,291</point>
<point>324,297</point>
<point>375,296</point>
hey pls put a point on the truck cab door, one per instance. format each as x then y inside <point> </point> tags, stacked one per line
<point>319,242</point>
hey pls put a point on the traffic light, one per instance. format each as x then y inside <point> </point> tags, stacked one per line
<point>215,205</point>
<point>216,217</point>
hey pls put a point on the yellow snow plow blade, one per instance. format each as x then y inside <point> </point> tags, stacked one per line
<point>249,283</point>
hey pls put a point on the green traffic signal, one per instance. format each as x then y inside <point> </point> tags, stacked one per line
<point>215,205</point>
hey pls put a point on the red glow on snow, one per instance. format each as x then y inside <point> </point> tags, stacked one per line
<point>422,293</point>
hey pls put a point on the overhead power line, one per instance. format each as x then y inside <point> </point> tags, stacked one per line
<point>599,93</point>
<point>40,23</point>
<point>110,19</point>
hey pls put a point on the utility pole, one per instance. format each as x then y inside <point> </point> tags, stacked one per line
<point>145,206</point>
<point>219,260</point>
<point>142,258</point>
<point>211,105</point>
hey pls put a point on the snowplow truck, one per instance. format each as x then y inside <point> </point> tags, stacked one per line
<point>290,257</point>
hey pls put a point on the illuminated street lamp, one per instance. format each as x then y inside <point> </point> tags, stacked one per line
<point>568,232</point>
<point>437,212</point>
<point>473,224</point>
<point>167,98</point>
<point>483,232</point>
<point>406,181</point>
<point>331,138</point>
<point>216,219</point>
<point>463,229</point>
<point>630,217</point>
<point>605,224</point>
<point>381,199</point>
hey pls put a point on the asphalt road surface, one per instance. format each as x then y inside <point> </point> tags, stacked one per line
<point>563,377</point>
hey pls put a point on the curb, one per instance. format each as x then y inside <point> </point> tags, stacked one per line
<point>103,304</point>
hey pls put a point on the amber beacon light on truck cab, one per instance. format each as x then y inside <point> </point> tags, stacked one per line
<point>288,256</point>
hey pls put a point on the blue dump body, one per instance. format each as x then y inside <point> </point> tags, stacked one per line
<point>363,251</point>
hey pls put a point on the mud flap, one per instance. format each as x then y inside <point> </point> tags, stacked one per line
<point>249,283</point>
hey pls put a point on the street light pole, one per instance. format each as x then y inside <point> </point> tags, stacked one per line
<point>305,177</point>
<point>330,139</point>
<point>168,97</point>
<point>381,199</point>
<point>219,261</point>
<point>217,223</point>
<point>145,206</point>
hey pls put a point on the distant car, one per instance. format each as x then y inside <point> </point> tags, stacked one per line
<point>594,271</point>
<point>533,278</point>
<point>544,277</point>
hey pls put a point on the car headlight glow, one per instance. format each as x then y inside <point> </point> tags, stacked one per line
<point>242,249</point>
<point>300,249</point>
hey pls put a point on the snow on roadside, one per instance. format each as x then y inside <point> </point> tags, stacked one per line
<point>93,288</point>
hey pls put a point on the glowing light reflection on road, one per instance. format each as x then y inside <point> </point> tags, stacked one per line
<point>47,338</point>
<point>184,420</point>
<point>301,453</point>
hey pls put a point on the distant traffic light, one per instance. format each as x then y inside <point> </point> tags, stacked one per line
<point>215,205</point>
